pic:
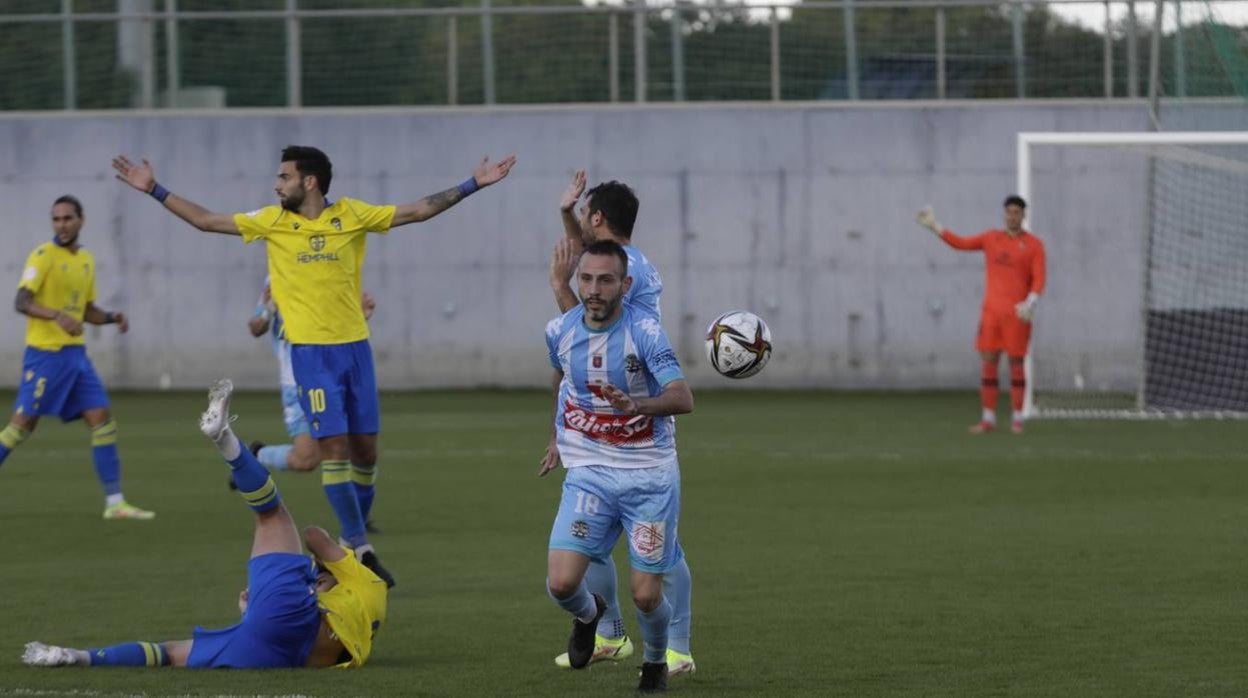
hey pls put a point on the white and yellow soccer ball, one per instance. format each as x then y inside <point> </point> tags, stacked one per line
<point>738,344</point>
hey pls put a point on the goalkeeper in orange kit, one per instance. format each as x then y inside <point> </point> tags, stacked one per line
<point>1014,279</point>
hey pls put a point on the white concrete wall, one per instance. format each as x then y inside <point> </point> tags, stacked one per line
<point>802,213</point>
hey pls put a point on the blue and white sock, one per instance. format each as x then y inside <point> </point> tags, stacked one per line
<point>678,588</point>
<point>601,579</point>
<point>275,457</point>
<point>580,604</point>
<point>654,628</point>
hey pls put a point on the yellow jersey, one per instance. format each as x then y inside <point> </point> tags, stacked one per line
<point>315,266</point>
<point>355,608</point>
<point>61,280</point>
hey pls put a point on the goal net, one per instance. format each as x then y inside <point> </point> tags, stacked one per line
<point>1146,312</point>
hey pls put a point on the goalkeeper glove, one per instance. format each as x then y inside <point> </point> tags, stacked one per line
<point>1027,308</point>
<point>927,219</point>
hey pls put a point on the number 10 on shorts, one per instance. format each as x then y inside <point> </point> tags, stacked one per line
<point>316,400</point>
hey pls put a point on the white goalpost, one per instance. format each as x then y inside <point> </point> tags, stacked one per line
<point>1146,311</point>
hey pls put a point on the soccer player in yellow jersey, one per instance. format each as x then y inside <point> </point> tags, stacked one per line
<point>57,295</point>
<point>297,611</point>
<point>316,252</point>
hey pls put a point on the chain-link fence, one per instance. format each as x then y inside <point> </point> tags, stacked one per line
<point>108,54</point>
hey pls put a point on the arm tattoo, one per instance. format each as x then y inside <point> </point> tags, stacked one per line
<point>24,298</point>
<point>437,203</point>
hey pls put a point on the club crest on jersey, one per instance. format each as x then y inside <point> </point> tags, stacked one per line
<point>317,242</point>
<point>597,361</point>
<point>336,223</point>
<point>632,364</point>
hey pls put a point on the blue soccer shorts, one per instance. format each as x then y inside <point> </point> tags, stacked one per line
<point>599,503</point>
<point>337,388</point>
<point>61,383</point>
<point>281,623</point>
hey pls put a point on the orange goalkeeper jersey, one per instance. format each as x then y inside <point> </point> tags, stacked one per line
<point>1013,266</point>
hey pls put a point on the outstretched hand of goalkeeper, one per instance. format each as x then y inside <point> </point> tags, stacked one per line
<point>927,218</point>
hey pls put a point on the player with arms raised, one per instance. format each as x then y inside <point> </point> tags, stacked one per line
<point>1014,279</point>
<point>316,254</point>
<point>618,385</point>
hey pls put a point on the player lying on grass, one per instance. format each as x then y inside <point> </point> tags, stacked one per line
<point>297,611</point>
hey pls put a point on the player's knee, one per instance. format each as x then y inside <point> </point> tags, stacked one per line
<point>648,598</point>
<point>304,461</point>
<point>25,422</point>
<point>562,587</point>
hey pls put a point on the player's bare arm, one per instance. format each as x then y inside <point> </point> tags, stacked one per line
<point>484,175</point>
<point>551,459</point>
<point>142,178</point>
<point>26,305</point>
<point>562,266</point>
<point>321,545</point>
<point>676,398</point>
<point>98,316</point>
<point>567,211</point>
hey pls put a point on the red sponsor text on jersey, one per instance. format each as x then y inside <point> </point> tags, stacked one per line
<point>616,429</point>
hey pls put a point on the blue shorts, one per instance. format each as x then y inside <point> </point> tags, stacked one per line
<point>281,623</point>
<point>599,503</point>
<point>292,412</point>
<point>61,383</point>
<point>337,387</point>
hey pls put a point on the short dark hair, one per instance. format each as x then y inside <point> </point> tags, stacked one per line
<point>71,200</point>
<point>606,248</point>
<point>310,161</point>
<point>617,203</point>
<point>1015,200</point>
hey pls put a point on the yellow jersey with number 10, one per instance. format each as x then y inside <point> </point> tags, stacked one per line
<point>315,266</point>
<point>61,280</point>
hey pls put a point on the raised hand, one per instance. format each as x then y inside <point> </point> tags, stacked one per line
<point>619,399</point>
<point>562,263</point>
<point>140,177</point>
<point>572,194</point>
<point>488,173</point>
<point>927,219</point>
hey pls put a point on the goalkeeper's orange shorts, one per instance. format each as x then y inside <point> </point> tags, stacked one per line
<point>1003,330</point>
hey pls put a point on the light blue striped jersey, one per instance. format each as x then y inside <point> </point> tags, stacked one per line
<point>647,286</point>
<point>632,354</point>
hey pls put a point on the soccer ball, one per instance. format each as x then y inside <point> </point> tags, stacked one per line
<point>738,344</point>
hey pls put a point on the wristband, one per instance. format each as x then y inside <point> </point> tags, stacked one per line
<point>110,318</point>
<point>264,313</point>
<point>158,192</point>
<point>469,186</point>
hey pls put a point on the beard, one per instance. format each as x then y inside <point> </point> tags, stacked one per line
<point>293,201</point>
<point>604,311</point>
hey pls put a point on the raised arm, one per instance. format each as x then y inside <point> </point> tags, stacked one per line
<point>567,212</point>
<point>487,173</point>
<point>562,266</point>
<point>927,219</point>
<point>143,179</point>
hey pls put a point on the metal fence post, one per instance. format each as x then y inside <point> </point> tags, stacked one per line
<point>70,70</point>
<point>1180,52</point>
<point>1109,53</point>
<point>173,70</point>
<point>639,50</point>
<point>941,76</point>
<point>1133,52</point>
<point>1020,74</point>
<point>487,50</point>
<point>851,51</point>
<point>452,60</point>
<point>678,56</point>
<point>294,67</point>
<point>775,54</point>
<point>613,56</point>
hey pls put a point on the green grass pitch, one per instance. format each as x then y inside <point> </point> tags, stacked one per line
<point>841,544</point>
